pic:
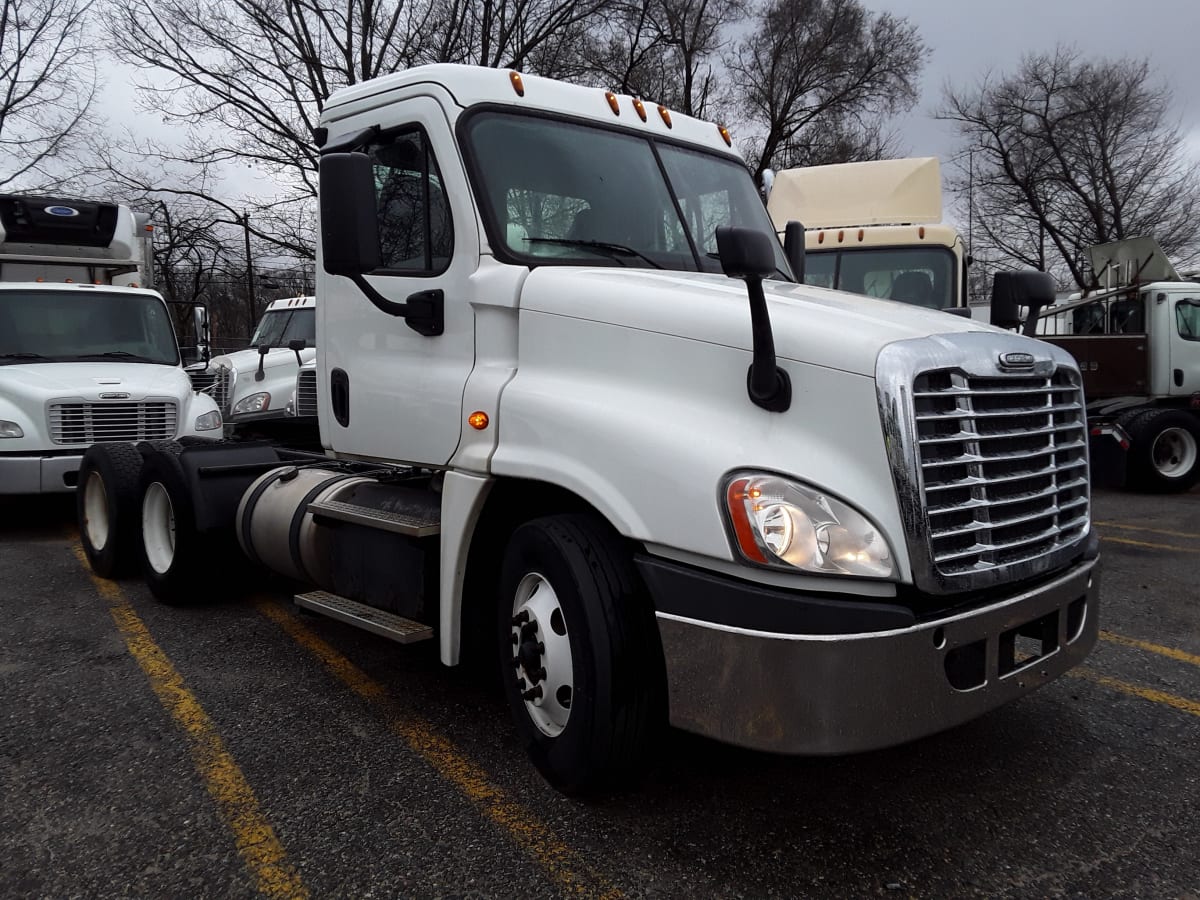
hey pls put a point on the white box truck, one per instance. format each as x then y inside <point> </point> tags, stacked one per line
<point>580,418</point>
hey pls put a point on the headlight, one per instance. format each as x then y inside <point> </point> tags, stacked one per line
<point>780,522</point>
<point>252,404</point>
<point>208,421</point>
<point>10,429</point>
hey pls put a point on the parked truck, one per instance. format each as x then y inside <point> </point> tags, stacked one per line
<point>578,415</point>
<point>1136,339</point>
<point>875,228</point>
<point>252,386</point>
<point>82,359</point>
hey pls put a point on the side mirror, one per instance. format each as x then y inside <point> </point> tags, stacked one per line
<point>962,311</point>
<point>1012,290</point>
<point>349,227</point>
<point>793,249</point>
<point>767,181</point>
<point>200,324</point>
<point>296,345</point>
<point>745,252</point>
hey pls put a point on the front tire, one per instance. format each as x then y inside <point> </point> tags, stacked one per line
<point>581,657</point>
<point>107,508</point>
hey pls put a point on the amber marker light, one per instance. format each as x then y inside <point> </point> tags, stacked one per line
<point>921,232</point>
<point>478,420</point>
<point>640,108</point>
<point>613,103</point>
<point>517,83</point>
<point>666,115</point>
<point>725,135</point>
<point>736,498</point>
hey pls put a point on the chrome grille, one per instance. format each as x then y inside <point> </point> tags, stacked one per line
<point>87,423</point>
<point>221,389</point>
<point>306,392</point>
<point>1003,466</point>
<point>202,379</point>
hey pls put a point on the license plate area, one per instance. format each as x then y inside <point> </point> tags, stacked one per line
<point>1024,645</point>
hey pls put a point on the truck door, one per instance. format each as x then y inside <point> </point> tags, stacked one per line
<point>1185,344</point>
<point>397,394</point>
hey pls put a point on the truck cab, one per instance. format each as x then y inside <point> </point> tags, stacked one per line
<point>252,387</point>
<point>82,359</point>
<point>875,228</point>
<point>581,423</point>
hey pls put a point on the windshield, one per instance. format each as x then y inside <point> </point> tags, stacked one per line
<point>922,276</point>
<point>81,325</point>
<point>281,327</point>
<point>567,193</point>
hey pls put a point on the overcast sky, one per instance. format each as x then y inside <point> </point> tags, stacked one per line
<point>969,37</point>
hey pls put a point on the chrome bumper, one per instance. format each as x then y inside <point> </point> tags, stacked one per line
<point>845,693</point>
<point>38,474</point>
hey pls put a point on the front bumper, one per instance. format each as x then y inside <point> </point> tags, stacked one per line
<point>825,693</point>
<point>38,474</point>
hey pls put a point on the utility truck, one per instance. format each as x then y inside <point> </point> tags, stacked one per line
<point>578,414</point>
<point>252,387</point>
<point>1136,339</point>
<point>875,228</point>
<point>82,359</point>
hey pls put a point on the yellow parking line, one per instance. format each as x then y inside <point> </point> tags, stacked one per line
<point>531,835</point>
<point>1169,652</point>
<point>1182,704</point>
<point>256,842</point>
<point>1124,527</point>
<point>1117,540</point>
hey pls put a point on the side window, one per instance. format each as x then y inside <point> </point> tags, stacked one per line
<point>819,269</point>
<point>416,235</point>
<point>1187,319</point>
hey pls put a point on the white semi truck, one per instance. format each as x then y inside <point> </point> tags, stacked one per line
<point>578,415</point>
<point>82,359</point>
<point>875,228</point>
<point>252,387</point>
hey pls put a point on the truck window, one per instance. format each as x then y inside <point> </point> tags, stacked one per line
<point>416,235</point>
<point>76,326</point>
<point>1187,318</point>
<point>554,191</point>
<point>918,275</point>
<point>280,327</point>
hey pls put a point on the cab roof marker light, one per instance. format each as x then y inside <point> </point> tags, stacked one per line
<point>517,83</point>
<point>613,103</point>
<point>921,232</point>
<point>640,108</point>
<point>725,135</point>
<point>666,115</point>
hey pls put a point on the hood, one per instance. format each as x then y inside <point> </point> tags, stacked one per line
<point>814,325</point>
<point>247,360</point>
<point>90,380</point>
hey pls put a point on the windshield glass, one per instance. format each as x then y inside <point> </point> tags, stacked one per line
<point>922,276</point>
<point>281,327</point>
<point>563,192</point>
<point>81,325</point>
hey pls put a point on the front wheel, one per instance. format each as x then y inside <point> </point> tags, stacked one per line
<point>582,660</point>
<point>107,508</point>
<point>1165,455</point>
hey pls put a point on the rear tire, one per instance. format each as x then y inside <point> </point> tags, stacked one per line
<point>1165,452</point>
<point>585,679</point>
<point>108,508</point>
<point>174,554</point>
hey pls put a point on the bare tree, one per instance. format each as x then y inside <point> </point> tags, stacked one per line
<point>1067,152</point>
<point>47,83</point>
<point>819,76</point>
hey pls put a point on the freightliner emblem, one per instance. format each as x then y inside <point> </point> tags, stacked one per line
<point>1016,360</point>
<point>114,396</point>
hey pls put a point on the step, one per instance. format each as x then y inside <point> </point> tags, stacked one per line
<point>379,621</point>
<point>416,524</point>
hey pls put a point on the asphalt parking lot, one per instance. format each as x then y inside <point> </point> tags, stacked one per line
<point>238,748</point>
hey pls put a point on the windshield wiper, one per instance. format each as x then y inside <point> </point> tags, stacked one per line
<point>603,246</point>
<point>22,356</point>
<point>118,354</point>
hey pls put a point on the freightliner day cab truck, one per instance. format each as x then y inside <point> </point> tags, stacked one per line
<point>1136,340</point>
<point>875,228</point>
<point>252,387</point>
<point>578,413</point>
<point>82,358</point>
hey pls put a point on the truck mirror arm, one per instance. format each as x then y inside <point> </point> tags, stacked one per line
<point>766,382</point>
<point>424,312</point>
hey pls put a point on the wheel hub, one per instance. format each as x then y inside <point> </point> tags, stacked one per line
<point>1174,452</point>
<point>542,654</point>
<point>95,511</point>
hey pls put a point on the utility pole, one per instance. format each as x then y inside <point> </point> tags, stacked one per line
<point>251,301</point>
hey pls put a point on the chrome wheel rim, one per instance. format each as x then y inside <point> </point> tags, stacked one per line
<point>1174,452</point>
<point>95,511</point>
<point>541,654</point>
<point>158,528</point>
